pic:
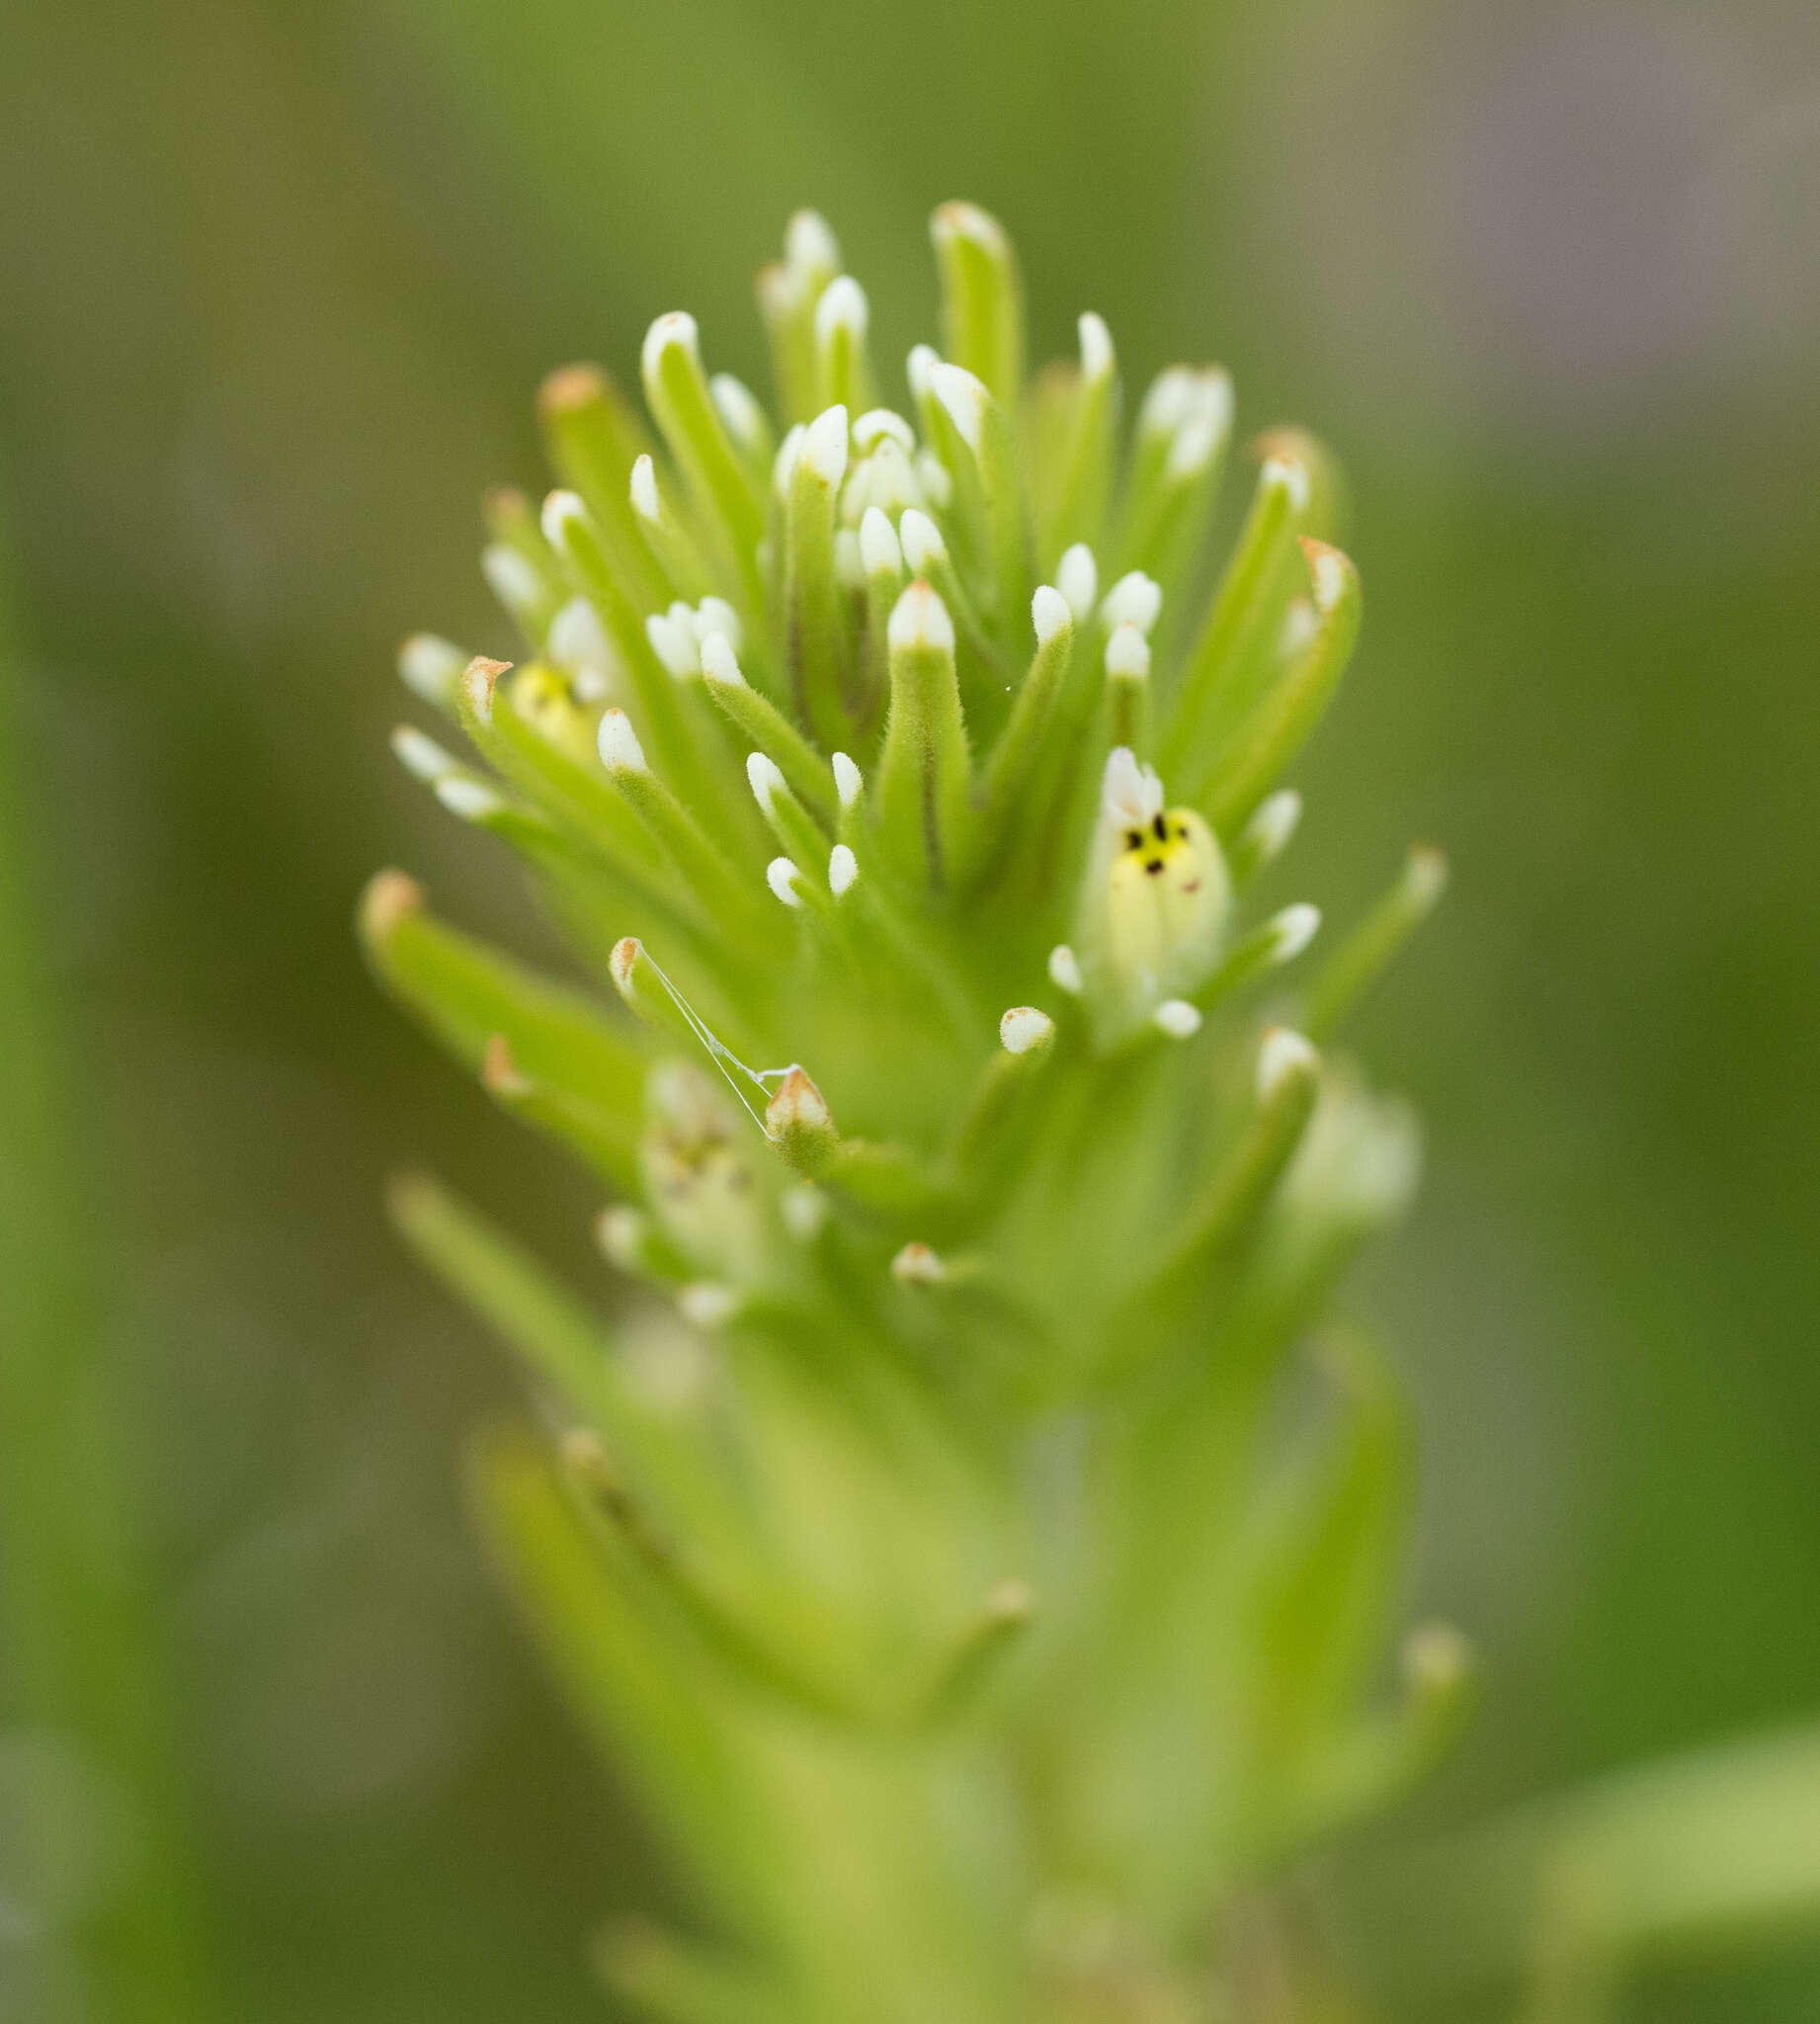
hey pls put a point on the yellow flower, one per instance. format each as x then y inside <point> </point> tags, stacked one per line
<point>1155,901</point>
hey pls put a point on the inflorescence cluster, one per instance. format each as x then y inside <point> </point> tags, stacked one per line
<point>977,1545</point>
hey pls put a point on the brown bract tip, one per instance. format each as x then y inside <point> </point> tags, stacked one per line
<point>388,898</point>
<point>798,1107</point>
<point>584,1453</point>
<point>624,960</point>
<point>964,220</point>
<point>1435,1657</point>
<point>410,1197</point>
<point>776,287</point>
<point>1286,443</point>
<point>478,680</point>
<point>571,386</point>
<point>1010,1601</point>
<point>918,1264</point>
<point>500,1074</point>
<point>1329,572</point>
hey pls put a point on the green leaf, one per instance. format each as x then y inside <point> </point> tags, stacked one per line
<point>922,799</point>
<point>594,439</point>
<point>982,298</point>
<point>1374,944</point>
<point>86,1700</point>
<point>1331,1562</point>
<point>632,1685</point>
<point>1284,718</point>
<point>466,991</point>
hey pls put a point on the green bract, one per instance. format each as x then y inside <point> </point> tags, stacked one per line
<point>976,1546</point>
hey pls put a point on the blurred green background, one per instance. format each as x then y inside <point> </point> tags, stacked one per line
<point>278,283</point>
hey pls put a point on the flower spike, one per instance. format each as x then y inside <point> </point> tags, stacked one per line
<point>894,733</point>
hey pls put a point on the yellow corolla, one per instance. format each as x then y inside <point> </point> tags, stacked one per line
<point>1155,901</point>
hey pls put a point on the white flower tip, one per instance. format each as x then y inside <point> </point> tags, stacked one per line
<point>919,618</point>
<point>824,444</point>
<point>917,1265</point>
<point>1130,795</point>
<point>621,751</point>
<point>1425,877</point>
<point>1274,822</point>
<point>880,549</point>
<point>1167,401</point>
<point>1282,474</point>
<point>919,367</point>
<point>1024,1027</point>
<point>1293,930</point>
<point>1096,346</point>
<point>936,480</point>
<point>961,219</point>
<point>1195,446</point>
<point>1195,411</point>
<point>1077,577</point>
<point>1284,1053</point>
<point>1177,1018</point>
<point>879,423</point>
<point>780,290</point>
<point>782,875</point>
<point>1214,398</point>
<point>964,398</point>
<point>1127,654</point>
<point>1134,600</point>
<point>562,510</point>
<point>1050,613</point>
<point>785,467</point>
<point>674,332</point>
<point>420,755</point>
<point>765,777</point>
<point>842,870</point>
<point>719,663</point>
<point>578,641</point>
<point>921,538</point>
<point>1065,969</point>
<point>843,307</point>
<point>644,489</point>
<point>673,640</point>
<point>473,799</point>
<point>738,409</point>
<point>713,615</point>
<point>431,668</point>
<point>1300,623</point>
<point>1435,1659</point>
<point>510,576</point>
<point>804,1209</point>
<point>848,780</point>
<point>810,243</point>
<point>1329,570</point>
<point>707,1303</point>
<point>621,1231</point>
